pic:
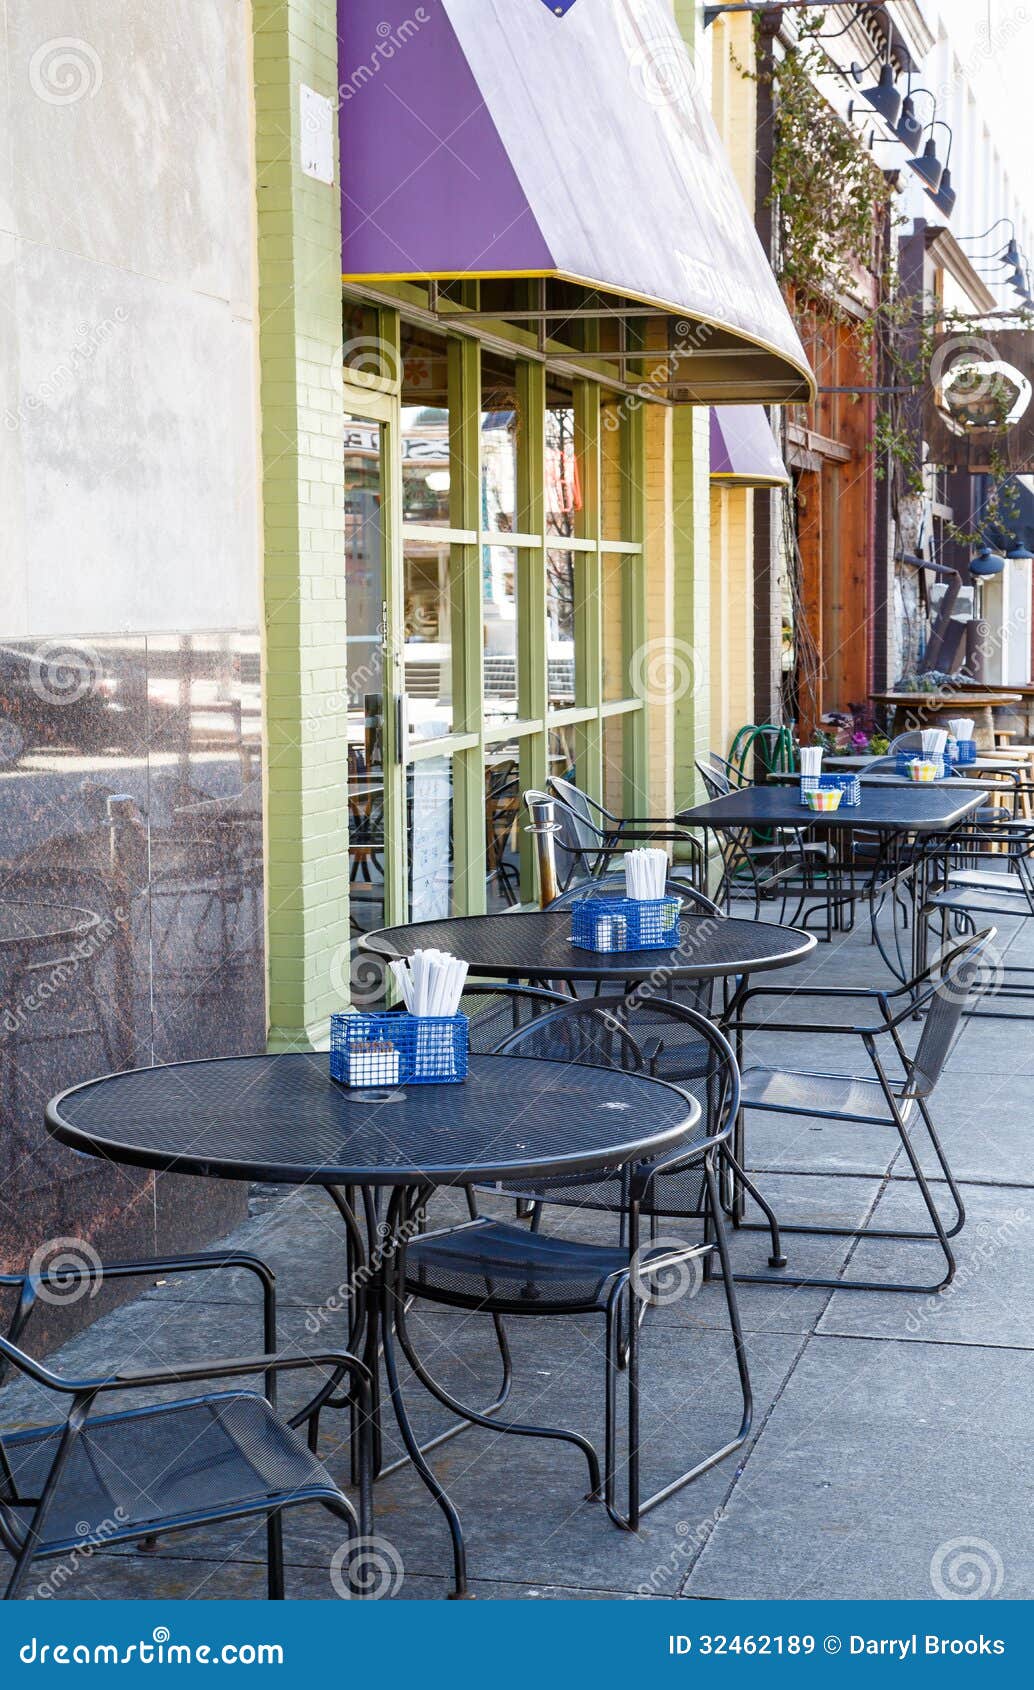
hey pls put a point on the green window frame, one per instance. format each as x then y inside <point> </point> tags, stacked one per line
<point>473,734</point>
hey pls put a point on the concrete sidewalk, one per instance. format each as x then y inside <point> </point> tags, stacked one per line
<point>890,1454</point>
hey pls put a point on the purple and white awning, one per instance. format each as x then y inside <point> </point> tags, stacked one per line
<point>492,139</point>
<point>743,448</point>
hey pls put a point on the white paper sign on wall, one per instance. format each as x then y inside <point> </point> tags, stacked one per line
<point>317,131</point>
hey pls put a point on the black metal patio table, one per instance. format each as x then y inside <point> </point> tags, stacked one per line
<point>535,945</point>
<point>894,813</point>
<point>282,1118</point>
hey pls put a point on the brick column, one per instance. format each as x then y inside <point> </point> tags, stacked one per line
<point>299,287</point>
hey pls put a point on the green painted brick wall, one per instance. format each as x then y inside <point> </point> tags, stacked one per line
<point>299,280</point>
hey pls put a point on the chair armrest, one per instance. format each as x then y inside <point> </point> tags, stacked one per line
<point>816,992</point>
<point>88,1272</point>
<point>198,1263</point>
<point>338,1361</point>
<point>739,1026</point>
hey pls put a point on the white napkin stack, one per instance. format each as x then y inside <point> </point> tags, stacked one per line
<point>934,742</point>
<point>431,982</point>
<point>962,727</point>
<point>811,760</point>
<point>645,874</point>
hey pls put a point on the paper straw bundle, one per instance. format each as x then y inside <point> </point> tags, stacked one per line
<point>431,982</point>
<point>645,874</point>
<point>962,727</point>
<point>934,742</point>
<point>811,760</point>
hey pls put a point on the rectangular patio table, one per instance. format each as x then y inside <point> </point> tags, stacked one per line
<point>894,813</point>
<point>857,762</point>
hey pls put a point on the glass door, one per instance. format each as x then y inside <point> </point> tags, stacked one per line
<point>366,590</point>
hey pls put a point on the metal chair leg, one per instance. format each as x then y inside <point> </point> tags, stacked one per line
<point>477,1417</point>
<point>275,1557</point>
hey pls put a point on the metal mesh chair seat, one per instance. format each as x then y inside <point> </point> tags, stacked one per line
<point>491,1265</point>
<point>166,1463</point>
<point>971,899</point>
<point>999,880</point>
<point>842,1095</point>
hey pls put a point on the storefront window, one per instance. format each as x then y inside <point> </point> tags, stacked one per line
<point>500,434</point>
<point>499,632</point>
<point>611,425</point>
<point>426,460</point>
<point>615,667</point>
<point>429,802</point>
<point>561,578</point>
<point>563,477</point>
<point>561,754</point>
<point>614,763</point>
<point>503,805</point>
<point>478,538</point>
<point>427,653</point>
<point>364,578</point>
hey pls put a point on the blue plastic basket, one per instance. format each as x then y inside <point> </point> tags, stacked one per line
<point>389,1050</point>
<point>849,786</point>
<point>625,924</point>
<point>905,758</point>
<point>965,751</point>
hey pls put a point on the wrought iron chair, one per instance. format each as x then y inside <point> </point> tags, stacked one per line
<point>490,1266</point>
<point>1005,890</point>
<point>89,1480</point>
<point>590,834</point>
<point>942,992</point>
<point>784,868</point>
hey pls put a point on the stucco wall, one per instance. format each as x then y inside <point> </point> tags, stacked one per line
<point>130,748</point>
<point>128,435</point>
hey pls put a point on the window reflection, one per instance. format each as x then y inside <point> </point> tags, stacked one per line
<point>499,625</point>
<point>428,639</point>
<point>503,805</point>
<point>426,464</point>
<point>563,477</point>
<point>614,763</point>
<point>616,682</point>
<point>364,579</point>
<point>561,587</point>
<point>430,797</point>
<point>500,431</point>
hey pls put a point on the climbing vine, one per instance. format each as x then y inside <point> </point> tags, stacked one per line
<point>830,198</point>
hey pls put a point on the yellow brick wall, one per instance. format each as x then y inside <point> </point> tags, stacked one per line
<point>732,613</point>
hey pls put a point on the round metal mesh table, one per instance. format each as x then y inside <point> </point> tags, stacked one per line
<point>536,945</point>
<point>283,1118</point>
